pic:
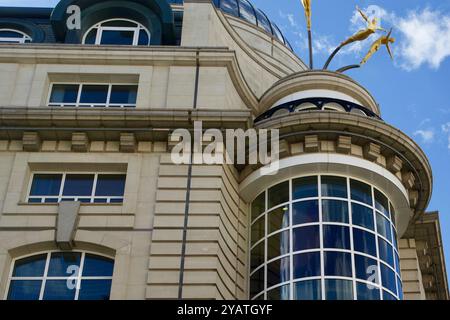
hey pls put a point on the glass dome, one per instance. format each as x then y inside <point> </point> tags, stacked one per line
<point>245,10</point>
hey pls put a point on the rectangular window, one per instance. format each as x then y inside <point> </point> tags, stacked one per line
<point>93,95</point>
<point>86,188</point>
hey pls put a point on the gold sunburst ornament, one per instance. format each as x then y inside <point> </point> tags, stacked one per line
<point>384,40</point>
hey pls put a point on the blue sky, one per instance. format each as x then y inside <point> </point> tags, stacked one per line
<point>413,90</point>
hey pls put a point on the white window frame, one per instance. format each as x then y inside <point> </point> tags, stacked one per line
<point>291,253</point>
<point>100,29</point>
<point>45,276</point>
<point>78,104</point>
<point>22,39</point>
<point>60,196</point>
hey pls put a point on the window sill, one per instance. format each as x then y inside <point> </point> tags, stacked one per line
<point>23,203</point>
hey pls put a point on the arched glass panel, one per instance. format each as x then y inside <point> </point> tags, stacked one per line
<point>117,32</point>
<point>13,36</point>
<point>230,7</point>
<point>61,276</point>
<point>277,32</point>
<point>246,11</point>
<point>263,22</point>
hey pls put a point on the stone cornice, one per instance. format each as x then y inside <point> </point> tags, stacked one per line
<point>375,138</point>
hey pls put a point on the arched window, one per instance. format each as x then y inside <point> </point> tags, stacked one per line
<point>13,36</point>
<point>117,32</point>
<point>61,276</point>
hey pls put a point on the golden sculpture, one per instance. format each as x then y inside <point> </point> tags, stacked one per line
<point>372,27</point>
<point>384,40</point>
<point>307,6</point>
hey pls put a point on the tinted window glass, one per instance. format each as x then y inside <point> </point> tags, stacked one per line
<point>381,202</point>
<point>230,7</point>
<point>388,279</point>
<point>58,290</point>
<point>123,94</point>
<point>78,185</point>
<point>24,290</point>
<point>117,37</point>
<point>338,264</point>
<point>110,185</point>
<point>259,205</point>
<point>338,290</point>
<point>367,292</point>
<point>278,272</point>
<point>364,241</point>
<point>334,187</point>
<point>143,38</point>
<point>335,211</point>
<point>257,282</point>
<point>263,22</point>
<point>361,192</point>
<point>278,219</point>
<point>46,185</point>
<point>60,263</point>
<point>94,94</point>
<point>362,216</point>
<point>306,238</point>
<point>30,267</point>
<point>97,266</point>
<point>308,290</point>
<point>386,253</point>
<point>246,11</point>
<point>384,227</point>
<point>278,194</point>
<point>305,212</point>
<point>279,293</point>
<point>278,244</point>
<point>64,93</point>
<point>95,290</point>
<point>366,269</point>
<point>257,256</point>
<point>306,265</point>
<point>258,229</point>
<point>304,188</point>
<point>336,237</point>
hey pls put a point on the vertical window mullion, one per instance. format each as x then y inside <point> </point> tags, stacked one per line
<point>94,187</point>
<point>291,245</point>
<point>266,243</point>
<point>44,278</point>
<point>98,38</point>
<point>79,277</point>
<point>80,89</point>
<point>352,247</point>
<point>322,253</point>
<point>108,97</point>
<point>136,36</point>
<point>376,242</point>
<point>61,188</point>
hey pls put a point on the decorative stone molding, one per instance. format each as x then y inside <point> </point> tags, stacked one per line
<point>344,144</point>
<point>394,164</point>
<point>66,224</point>
<point>80,142</point>
<point>413,198</point>
<point>312,143</point>
<point>408,179</point>
<point>31,141</point>
<point>371,151</point>
<point>285,150</point>
<point>128,142</point>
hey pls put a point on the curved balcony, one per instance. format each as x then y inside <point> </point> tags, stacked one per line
<point>316,104</point>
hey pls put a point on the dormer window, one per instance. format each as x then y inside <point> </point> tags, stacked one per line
<point>117,32</point>
<point>13,36</point>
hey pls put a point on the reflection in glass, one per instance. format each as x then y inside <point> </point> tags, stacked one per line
<point>306,238</point>
<point>304,188</point>
<point>386,253</point>
<point>367,292</point>
<point>335,211</point>
<point>364,242</point>
<point>278,219</point>
<point>278,194</point>
<point>258,206</point>
<point>388,279</point>
<point>362,216</point>
<point>308,290</point>
<point>381,202</point>
<point>384,227</point>
<point>338,290</point>
<point>337,237</point>
<point>257,282</point>
<point>279,293</point>
<point>361,192</point>
<point>334,187</point>
<point>278,245</point>
<point>257,256</point>
<point>366,269</point>
<point>258,230</point>
<point>306,265</point>
<point>338,264</point>
<point>278,272</point>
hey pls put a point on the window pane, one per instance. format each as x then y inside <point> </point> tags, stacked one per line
<point>388,279</point>
<point>30,267</point>
<point>78,185</point>
<point>361,192</point>
<point>306,265</point>
<point>308,290</point>
<point>384,227</point>
<point>256,282</point>
<point>46,185</point>
<point>338,290</point>
<point>111,185</point>
<point>338,264</point>
<point>144,39</point>
<point>10,34</point>
<point>381,202</point>
<point>305,212</point>
<point>95,290</point>
<point>59,290</point>
<point>393,215</point>
<point>97,266</point>
<point>91,36</point>
<point>278,219</point>
<point>334,187</point>
<point>258,206</point>
<point>258,230</point>
<point>366,269</point>
<point>278,245</point>
<point>388,296</point>
<point>367,292</point>
<point>362,216</point>
<point>304,188</point>
<point>278,272</point>
<point>230,7</point>
<point>60,263</point>
<point>64,93</point>
<point>400,289</point>
<point>279,293</point>
<point>117,37</point>
<point>279,194</point>
<point>364,241</point>
<point>24,290</point>
<point>94,94</point>
<point>120,23</point>
<point>385,250</point>
<point>257,256</point>
<point>336,237</point>
<point>262,21</point>
<point>246,11</point>
<point>306,238</point>
<point>335,211</point>
<point>123,94</point>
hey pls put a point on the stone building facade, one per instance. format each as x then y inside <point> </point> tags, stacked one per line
<point>87,179</point>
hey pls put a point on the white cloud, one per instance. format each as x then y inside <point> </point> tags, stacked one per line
<point>426,38</point>
<point>290,18</point>
<point>427,136</point>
